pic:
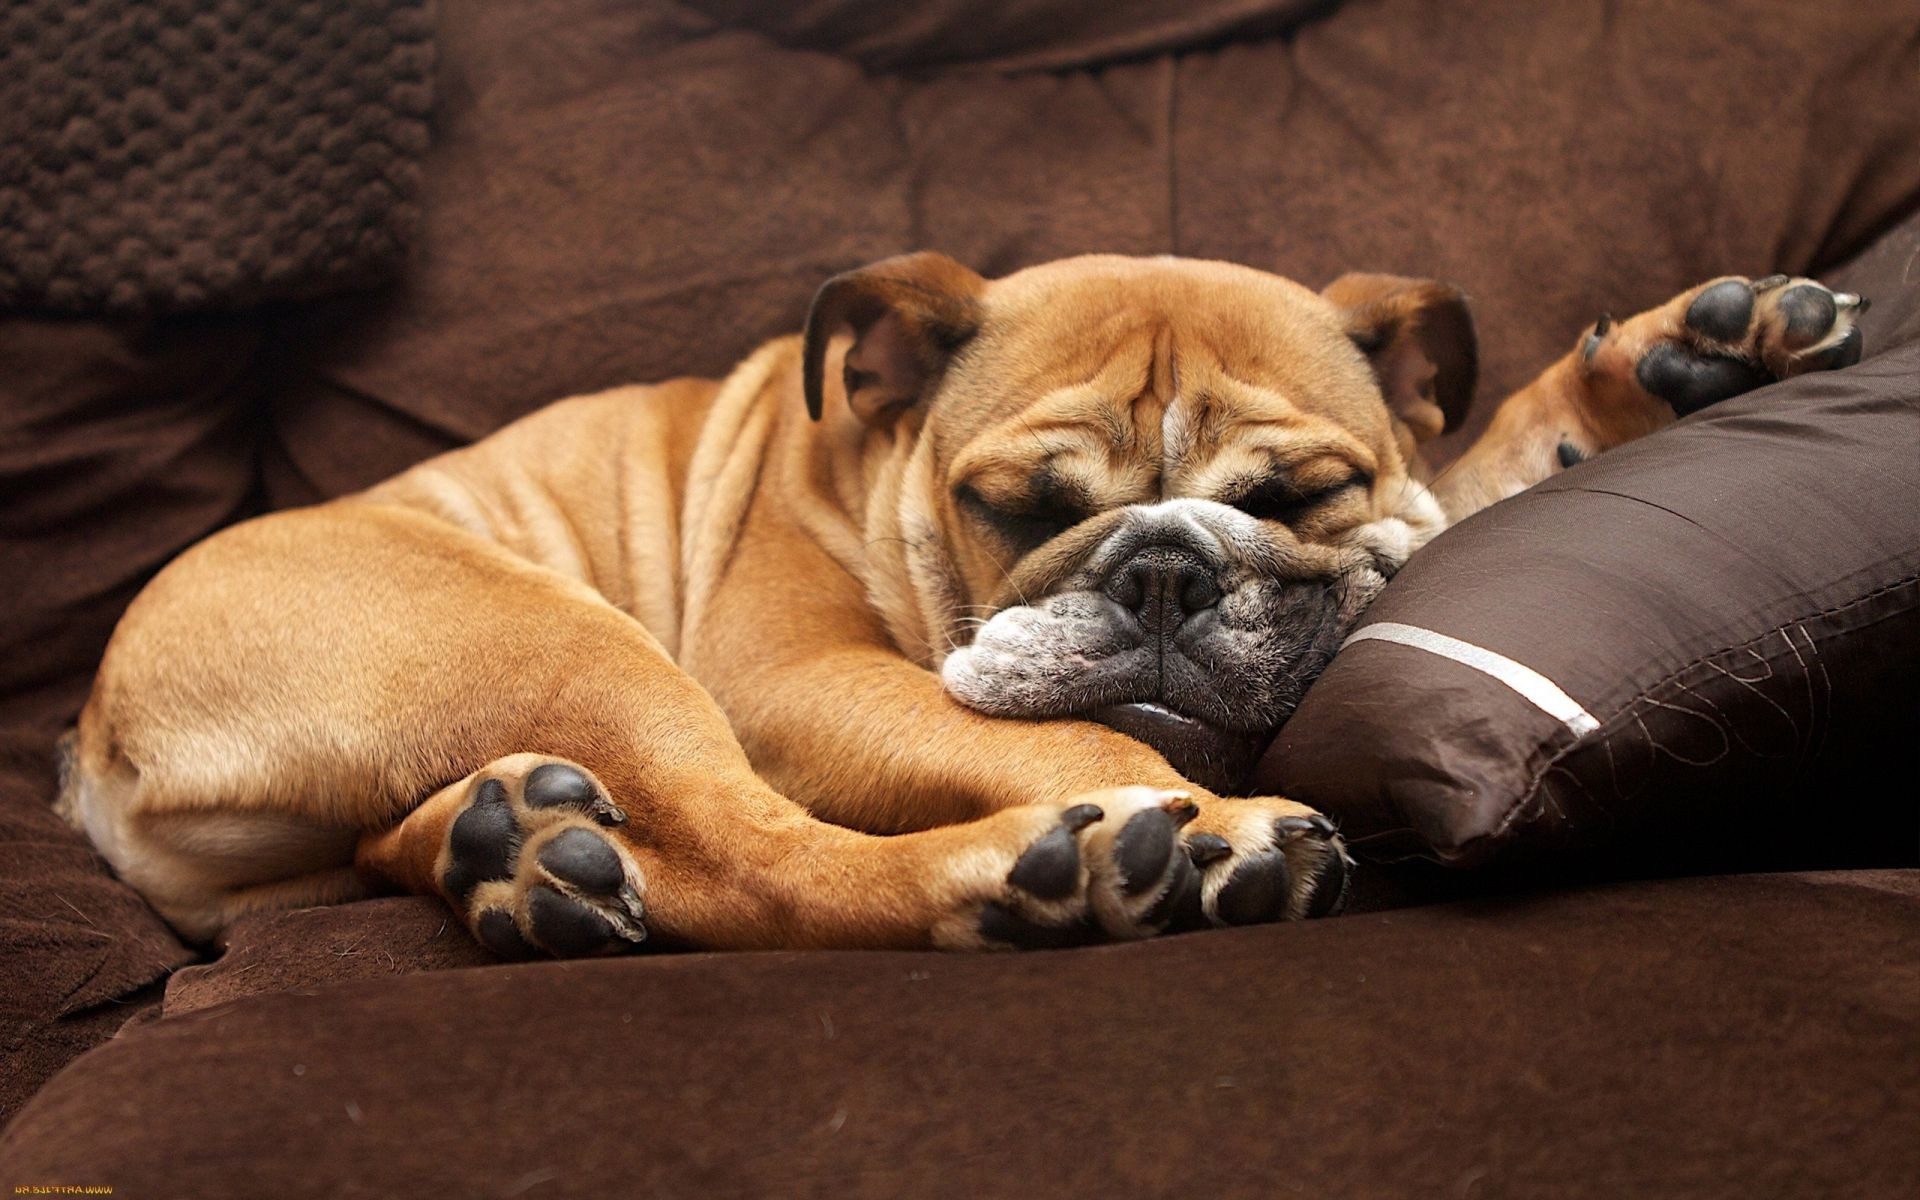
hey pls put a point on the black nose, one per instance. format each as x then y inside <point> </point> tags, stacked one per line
<point>1163,586</point>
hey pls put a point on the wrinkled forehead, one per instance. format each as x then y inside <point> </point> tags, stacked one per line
<point>1163,364</point>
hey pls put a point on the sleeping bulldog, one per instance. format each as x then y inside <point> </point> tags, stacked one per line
<point>950,622</point>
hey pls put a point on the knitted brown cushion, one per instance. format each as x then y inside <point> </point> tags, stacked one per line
<point>174,155</point>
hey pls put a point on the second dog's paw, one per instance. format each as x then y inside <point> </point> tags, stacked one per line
<point>1731,336</point>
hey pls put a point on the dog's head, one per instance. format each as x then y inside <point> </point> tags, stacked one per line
<point>1152,492</point>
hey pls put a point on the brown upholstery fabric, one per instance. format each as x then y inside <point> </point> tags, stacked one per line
<point>1736,600</point>
<point>1727,1037</point>
<point>622,192</point>
<point>179,155</point>
<point>1023,35</point>
<point>302,949</point>
<point>120,445</point>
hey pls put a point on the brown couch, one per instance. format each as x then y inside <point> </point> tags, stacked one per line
<point>625,191</point>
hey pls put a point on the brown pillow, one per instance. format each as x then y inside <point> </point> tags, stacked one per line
<point>1697,650</point>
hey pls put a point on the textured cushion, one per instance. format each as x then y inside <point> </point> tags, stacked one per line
<point>1704,1038</point>
<point>1732,605</point>
<point>168,155</point>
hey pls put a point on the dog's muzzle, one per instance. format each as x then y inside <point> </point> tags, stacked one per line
<point>1185,629</point>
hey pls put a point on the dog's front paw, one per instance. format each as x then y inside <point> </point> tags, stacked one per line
<point>1262,860</point>
<point>528,864</point>
<point>1106,864</point>
<point>1729,337</point>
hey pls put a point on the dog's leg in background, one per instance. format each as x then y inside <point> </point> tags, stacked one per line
<point>1627,379</point>
<point>302,683</point>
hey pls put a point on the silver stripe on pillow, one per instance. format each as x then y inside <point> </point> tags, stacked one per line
<point>1537,688</point>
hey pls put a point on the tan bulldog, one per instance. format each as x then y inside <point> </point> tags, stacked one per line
<point>838,651</point>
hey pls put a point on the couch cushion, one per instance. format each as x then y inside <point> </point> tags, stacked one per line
<point>624,192</point>
<point>1716,1037</point>
<point>301,949</point>
<point>1734,605</point>
<point>1026,35</point>
<point>120,445</point>
<point>186,156</point>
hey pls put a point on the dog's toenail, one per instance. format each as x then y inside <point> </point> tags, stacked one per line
<point>1205,848</point>
<point>1322,825</point>
<point>1050,868</point>
<point>1722,312</point>
<point>1258,891</point>
<point>1595,339</point>
<point>585,860</point>
<point>1081,815</point>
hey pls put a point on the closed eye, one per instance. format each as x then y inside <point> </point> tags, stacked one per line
<point>1280,499</point>
<point>1027,523</point>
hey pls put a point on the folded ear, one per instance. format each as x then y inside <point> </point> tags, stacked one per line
<point>908,314</point>
<point>1418,333</point>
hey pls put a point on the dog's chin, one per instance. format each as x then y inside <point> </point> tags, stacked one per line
<point>1220,760</point>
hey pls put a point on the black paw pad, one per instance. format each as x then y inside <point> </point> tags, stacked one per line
<point>585,860</point>
<point>1810,313</point>
<point>1691,382</point>
<point>499,934</point>
<point>1569,455</point>
<point>1330,890</point>
<point>1846,353</point>
<point>484,841</point>
<point>1050,868</point>
<point>555,785</point>
<point>565,926</point>
<point>1142,848</point>
<point>1722,312</point>
<point>1258,891</point>
<point>1179,907</point>
<point>1001,924</point>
